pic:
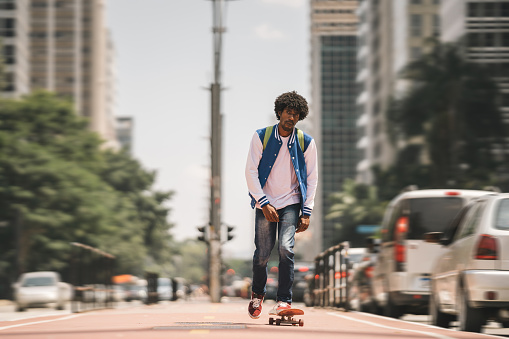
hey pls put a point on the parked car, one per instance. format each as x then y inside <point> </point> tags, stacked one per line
<point>41,289</point>
<point>135,292</point>
<point>356,255</point>
<point>470,276</point>
<point>360,291</point>
<point>271,287</point>
<point>164,288</point>
<point>302,271</point>
<point>401,276</point>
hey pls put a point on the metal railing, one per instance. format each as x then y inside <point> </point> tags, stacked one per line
<point>91,272</point>
<point>331,277</point>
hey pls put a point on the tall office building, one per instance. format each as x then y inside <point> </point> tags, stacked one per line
<point>391,34</point>
<point>71,54</point>
<point>333,94</point>
<point>14,33</point>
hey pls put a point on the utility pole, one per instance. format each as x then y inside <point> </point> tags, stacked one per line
<point>215,143</point>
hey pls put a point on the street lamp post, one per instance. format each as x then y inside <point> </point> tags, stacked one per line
<point>216,141</point>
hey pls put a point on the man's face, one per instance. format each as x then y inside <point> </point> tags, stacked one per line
<point>288,119</point>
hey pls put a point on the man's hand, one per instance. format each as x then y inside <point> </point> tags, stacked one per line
<point>270,213</point>
<point>303,223</point>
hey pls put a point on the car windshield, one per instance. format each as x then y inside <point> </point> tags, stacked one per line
<point>355,258</point>
<point>431,215</point>
<point>502,219</point>
<point>38,281</point>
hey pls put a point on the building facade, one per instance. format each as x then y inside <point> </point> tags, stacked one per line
<point>333,94</point>
<point>15,33</point>
<point>483,27</point>
<point>391,34</point>
<point>62,46</point>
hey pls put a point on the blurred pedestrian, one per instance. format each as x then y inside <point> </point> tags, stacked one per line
<point>281,175</point>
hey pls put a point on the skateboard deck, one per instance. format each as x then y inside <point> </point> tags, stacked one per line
<point>286,317</point>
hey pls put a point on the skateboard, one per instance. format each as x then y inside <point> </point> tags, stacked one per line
<point>286,317</point>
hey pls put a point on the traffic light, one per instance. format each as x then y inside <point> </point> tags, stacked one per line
<point>229,235</point>
<point>204,234</point>
<point>226,234</point>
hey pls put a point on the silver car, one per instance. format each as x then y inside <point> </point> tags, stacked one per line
<point>40,289</point>
<point>401,274</point>
<point>470,279</point>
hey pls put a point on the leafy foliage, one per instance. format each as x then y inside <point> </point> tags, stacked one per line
<point>57,186</point>
<point>448,121</point>
<point>357,204</point>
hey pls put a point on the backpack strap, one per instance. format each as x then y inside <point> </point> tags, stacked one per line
<point>300,137</point>
<point>268,132</point>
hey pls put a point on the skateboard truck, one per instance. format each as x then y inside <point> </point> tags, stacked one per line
<point>286,317</point>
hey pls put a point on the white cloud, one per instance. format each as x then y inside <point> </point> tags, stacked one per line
<point>266,32</point>
<point>288,3</point>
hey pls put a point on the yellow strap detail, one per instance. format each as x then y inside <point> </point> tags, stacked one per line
<point>300,137</point>
<point>268,132</point>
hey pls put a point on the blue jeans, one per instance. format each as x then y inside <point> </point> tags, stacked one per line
<point>265,239</point>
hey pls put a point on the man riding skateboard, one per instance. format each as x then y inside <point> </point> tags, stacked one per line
<point>282,175</point>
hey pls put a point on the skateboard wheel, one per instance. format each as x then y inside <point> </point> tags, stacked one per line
<point>271,321</point>
<point>278,322</point>
<point>301,322</point>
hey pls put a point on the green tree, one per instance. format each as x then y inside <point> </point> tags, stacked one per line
<point>57,186</point>
<point>357,204</point>
<point>452,106</point>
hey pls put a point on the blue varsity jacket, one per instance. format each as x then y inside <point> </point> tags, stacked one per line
<point>269,156</point>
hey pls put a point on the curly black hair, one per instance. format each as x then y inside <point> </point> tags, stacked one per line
<point>291,100</point>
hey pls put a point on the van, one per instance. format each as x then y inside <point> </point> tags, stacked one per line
<point>402,271</point>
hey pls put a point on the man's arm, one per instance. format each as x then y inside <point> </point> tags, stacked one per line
<point>311,159</point>
<point>253,160</point>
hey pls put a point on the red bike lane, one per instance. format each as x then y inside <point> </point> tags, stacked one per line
<point>224,320</point>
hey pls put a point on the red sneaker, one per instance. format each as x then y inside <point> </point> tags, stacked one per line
<point>255,306</point>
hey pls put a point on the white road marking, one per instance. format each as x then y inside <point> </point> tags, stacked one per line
<point>39,322</point>
<point>390,327</point>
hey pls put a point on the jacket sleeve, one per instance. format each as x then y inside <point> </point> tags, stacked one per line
<point>311,159</point>
<point>253,160</point>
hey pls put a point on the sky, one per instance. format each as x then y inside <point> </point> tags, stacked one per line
<point>164,65</point>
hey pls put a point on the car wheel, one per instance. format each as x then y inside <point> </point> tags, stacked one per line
<point>438,318</point>
<point>354,302</point>
<point>470,319</point>
<point>19,308</point>
<point>392,310</point>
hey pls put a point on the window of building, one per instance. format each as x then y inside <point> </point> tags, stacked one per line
<point>489,9</point>
<point>416,2</point>
<point>489,39</point>
<point>436,25</point>
<point>39,4</point>
<point>474,39</point>
<point>9,82</point>
<point>9,54</point>
<point>505,39</point>
<point>7,27</point>
<point>416,25</point>
<point>7,4</point>
<point>473,9</point>
<point>504,9</point>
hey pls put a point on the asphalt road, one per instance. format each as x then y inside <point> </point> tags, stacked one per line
<point>229,319</point>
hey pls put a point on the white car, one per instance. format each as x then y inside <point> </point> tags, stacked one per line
<point>401,274</point>
<point>40,289</point>
<point>470,278</point>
